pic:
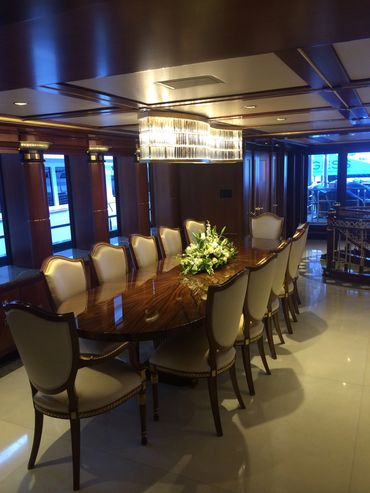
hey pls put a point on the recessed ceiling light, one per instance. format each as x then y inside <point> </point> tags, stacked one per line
<point>250,106</point>
<point>20,103</point>
<point>280,119</point>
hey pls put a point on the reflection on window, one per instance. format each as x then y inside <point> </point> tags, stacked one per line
<point>322,186</point>
<point>2,235</point>
<point>111,194</point>
<point>56,186</point>
<point>358,179</point>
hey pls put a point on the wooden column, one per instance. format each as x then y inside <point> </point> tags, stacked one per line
<point>99,197</point>
<point>142,198</point>
<point>38,209</point>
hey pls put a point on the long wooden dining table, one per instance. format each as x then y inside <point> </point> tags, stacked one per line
<point>155,300</point>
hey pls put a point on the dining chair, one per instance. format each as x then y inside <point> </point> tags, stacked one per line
<point>287,294</point>
<point>66,279</point>
<point>266,225</point>
<point>143,250</point>
<point>305,227</point>
<point>192,226</point>
<point>207,351</point>
<point>251,323</point>
<point>272,314</point>
<point>64,383</point>
<point>170,241</point>
<point>109,261</point>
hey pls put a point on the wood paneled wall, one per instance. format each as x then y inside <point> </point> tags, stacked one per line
<point>213,192</point>
<point>165,193</point>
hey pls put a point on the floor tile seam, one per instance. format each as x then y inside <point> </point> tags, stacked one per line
<point>355,442</point>
<point>166,470</point>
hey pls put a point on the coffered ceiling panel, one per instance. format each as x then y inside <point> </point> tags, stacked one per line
<point>314,116</point>
<point>354,55</point>
<point>364,93</point>
<point>104,119</point>
<point>238,75</point>
<point>39,102</point>
<point>306,126</point>
<point>239,107</point>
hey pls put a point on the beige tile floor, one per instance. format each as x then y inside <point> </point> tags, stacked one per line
<point>307,429</point>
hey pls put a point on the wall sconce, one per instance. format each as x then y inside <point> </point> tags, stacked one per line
<point>28,145</point>
<point>181,137</point>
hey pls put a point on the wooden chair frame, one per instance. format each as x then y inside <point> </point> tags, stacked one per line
<point>160,242</point>
<point>105,244</point>
<point>271,214</point>
<point>187,237</point>
<point>132,251</point>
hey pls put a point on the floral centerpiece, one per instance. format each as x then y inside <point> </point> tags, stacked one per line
<point>209,251</point>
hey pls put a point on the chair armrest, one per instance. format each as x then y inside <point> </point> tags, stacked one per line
<point>93,359</point>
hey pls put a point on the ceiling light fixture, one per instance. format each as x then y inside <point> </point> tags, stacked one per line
<point>281,119</point>
<point>20,103</point>
<point>182,137</point>
<point>250,106</point>
<point>32,144</point>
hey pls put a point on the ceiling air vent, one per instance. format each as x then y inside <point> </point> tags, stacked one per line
<point>201,80</point>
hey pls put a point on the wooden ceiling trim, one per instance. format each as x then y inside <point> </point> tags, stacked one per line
<point>78,113</point>
<point>71,90</point>
<point>272,113</point>
<point>301,133</point>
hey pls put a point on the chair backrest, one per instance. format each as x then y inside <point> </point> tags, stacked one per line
<point>259,289</point>
<point>109,261</point>
<point>192,226</point>
<point>296,250</point>
<point>282,258</point>
<point>65,277</point>
<point>224,309</point>
<point>266,225</point>
<point>305,227</point>
<point>144,250</point>
<point>170,240</point>
<point>47,344</point>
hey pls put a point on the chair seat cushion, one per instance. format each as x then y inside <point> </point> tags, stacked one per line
<point>187,354</point>
<point>98,388</point>
<point>290,289</point>
<point>255,331</point>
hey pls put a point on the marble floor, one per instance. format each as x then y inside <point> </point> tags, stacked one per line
<point>307,429</point>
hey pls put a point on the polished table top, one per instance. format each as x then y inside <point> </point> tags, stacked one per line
<point>153,300</point>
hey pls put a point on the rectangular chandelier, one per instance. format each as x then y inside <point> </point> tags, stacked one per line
<point>181,137</point>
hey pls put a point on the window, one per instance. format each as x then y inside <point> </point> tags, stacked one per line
<point>322,186</point>
<point>111,195</point>
<point>57,190</point>
<point>3,253</point>
<point>358,179</point>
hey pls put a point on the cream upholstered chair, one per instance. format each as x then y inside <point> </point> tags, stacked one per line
<point>251,323</point>
<point>170,241</point>
<point>209,352</point>
<point>305,227</point>
<point>144,250</point>
<point>110,262</point>
<point>266,225</point>
<point>192,226</point>
<point>272,314</point>
<point>65,384</point>
<point>66,278</point>
<point>286,294</point>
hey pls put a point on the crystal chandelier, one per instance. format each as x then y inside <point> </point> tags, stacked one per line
<point>181,137</point>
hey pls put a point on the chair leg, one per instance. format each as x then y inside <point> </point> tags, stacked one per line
<point>296,292</point>
<point>286,315</point>
<point>291,308</point>
<point>234,381</point>
<point>39,420</point>
<point>295,303</point>
<point>247,368</point>
<point>154,380</point>
<point>261,350</point>
<point>212,389</point>
<point>75,436</point>
<point>142,403</point>
<point>275,318</point>
<point>270,339</point>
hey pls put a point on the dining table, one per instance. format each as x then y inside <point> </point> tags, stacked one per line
<point>154,301</point>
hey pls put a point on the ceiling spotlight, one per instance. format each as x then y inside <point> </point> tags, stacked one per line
<point>250,106</point>
<point>281,119</point>
<point>20,103</point>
